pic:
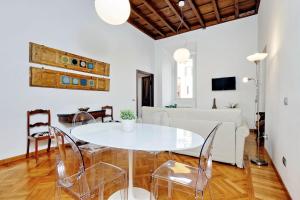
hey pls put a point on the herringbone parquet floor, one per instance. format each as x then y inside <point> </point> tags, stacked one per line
<point>28,179</point>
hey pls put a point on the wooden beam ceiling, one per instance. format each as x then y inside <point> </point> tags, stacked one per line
<point>134,11</point>
<point>236,8</point>
<point>257,5</point>
<point>216,9</point>
<point>161,18</point>
<point>140,27</point>
<point>177,13</point>
<point>151,8</point>
<point>197,13</point>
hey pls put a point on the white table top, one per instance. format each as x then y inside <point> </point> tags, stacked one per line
<point>145,137</point>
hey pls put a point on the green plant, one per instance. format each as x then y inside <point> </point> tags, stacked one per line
<point>127,115</point>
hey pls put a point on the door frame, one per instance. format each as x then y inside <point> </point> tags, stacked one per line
<point>138,72</point>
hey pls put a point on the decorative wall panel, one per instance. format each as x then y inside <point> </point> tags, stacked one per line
<point>40,77</point>
<point>48,56</point>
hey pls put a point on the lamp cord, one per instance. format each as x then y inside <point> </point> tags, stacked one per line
<point>181,20</point>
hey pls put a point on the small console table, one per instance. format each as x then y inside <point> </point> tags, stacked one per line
<point>68,118</point>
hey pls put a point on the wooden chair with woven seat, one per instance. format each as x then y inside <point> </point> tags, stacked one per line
<point>109,113</point>
<point>38,135</point>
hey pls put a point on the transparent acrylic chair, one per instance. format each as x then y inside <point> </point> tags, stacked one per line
<point>89,150</point>
<point>185,175</point>
<point>158,118</point>
<point>77,180</point>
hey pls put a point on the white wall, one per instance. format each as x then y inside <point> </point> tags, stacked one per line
<point>279,31</point>
<point>220,51</point>
<point>70,25</point>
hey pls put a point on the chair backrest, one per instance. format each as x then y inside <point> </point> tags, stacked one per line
<point>109,112</point>
<point>82,118</point>
<point>38,123</point>
<point>205,158</point>
<point>69,162</point>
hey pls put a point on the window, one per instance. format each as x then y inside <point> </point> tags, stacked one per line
<point>184,88</point>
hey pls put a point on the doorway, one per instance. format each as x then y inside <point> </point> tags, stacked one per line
<point>144,91</point>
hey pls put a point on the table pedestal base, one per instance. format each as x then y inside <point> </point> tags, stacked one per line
<point>135,194</point>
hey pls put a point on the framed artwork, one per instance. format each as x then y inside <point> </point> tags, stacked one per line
<point>53,57</point>
<point>40,77</point>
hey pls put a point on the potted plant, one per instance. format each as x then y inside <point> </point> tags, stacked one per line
<point>128,120</point>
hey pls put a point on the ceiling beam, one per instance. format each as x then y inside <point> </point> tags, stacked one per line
<point>216,9</point>
<point>137,13</point>
<point>140,28</point>
<point>236,8</point>
<point>151,8</point>
<point>172,7</point>
<point>197,13</point>
<point>257,5</point>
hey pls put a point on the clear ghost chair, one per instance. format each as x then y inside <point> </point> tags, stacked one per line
<point>82,118</point>
<point>185,175</point>
<point>158,118</point>
<point>92,151</point>
<point>77,180</point>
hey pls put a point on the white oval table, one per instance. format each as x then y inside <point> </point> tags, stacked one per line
<point>145,137</point>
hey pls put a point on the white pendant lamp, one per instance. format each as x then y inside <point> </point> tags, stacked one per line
<point>181,55</point>
<point>114,12</point>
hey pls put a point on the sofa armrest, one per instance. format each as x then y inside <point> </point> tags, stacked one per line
<point>242,130</point>
<point>240,135</point>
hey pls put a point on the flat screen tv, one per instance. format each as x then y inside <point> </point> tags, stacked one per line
<point>226,83</point>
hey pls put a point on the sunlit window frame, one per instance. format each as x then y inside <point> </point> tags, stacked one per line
<point>194,81</point>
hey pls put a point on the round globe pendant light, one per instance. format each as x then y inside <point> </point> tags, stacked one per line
<point>181,55</point>
<point>114,12</point>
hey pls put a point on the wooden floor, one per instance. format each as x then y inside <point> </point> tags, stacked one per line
<point>266,183</point>
<point>26,179</point>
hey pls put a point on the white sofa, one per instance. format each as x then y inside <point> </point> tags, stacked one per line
<point>230,137</point>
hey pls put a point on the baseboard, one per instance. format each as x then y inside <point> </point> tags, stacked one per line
<point>249,178</point>
<point>23,156</point>
<point>277,173</point>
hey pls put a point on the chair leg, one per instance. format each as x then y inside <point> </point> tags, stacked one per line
<point>197,195</point>
<point>210,191</point>
<point>114,155</point>
<point>126,186</point>
<point>155,160</point>
<point>124,190</point>
<point>170,155</point>
<point>170,190</point>
<point>49,145</point>
<point>101,191</point>
<point>93,158</point>
<point>36,149</point>
<point>153,190</point>
<point>57,192</point>
<point>62,140</point>
<point>28,145</point>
